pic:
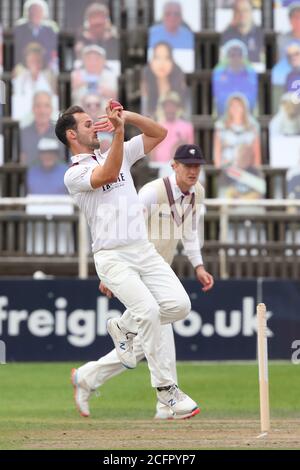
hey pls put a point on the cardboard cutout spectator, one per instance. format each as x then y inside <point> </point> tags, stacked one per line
<point>174,30</point>
<point>285,74</point>
<point>231,3</point>
<point>237,152</point>
<point>30,79</point>
<point>224,13</point>
<point>98,30</point>
<point>293,183</point>
<point>243,27</point>
<point>287,120</point>
<point>293,78</point>
<point>74,12</point>
<point>293,34</point>
<point>2,97</point>
<point>179,130</point>
<point>234,74</point>
<point>36,27</point>
<point>93,105</point>
<point>95,76</point>
<point>41,127</point>
<point>161,76</point>
<point>1,51</point>
<point>47,175</point>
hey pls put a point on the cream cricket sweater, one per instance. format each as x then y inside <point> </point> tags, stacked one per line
<point>173,216</point>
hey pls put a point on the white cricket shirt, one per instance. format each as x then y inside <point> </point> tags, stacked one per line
<point>113,212</point>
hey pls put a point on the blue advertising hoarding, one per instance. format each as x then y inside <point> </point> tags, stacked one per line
<point>65,320</point>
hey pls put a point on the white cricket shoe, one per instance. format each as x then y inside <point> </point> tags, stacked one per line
<point>123,343</point>
<point>163,412</point>
<point>81,395</point>
<point>181,405</point>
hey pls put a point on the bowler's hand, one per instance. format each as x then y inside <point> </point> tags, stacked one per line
<point>111,121</point>
<point>104,124</point>
<point>205,278</point>
<point>105,291</point>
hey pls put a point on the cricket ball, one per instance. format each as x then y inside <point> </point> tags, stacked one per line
<point>115,104</point>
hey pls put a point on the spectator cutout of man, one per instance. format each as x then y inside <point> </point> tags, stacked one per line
<point>95,76</point>
<point>243,27</point>
<point>35,27</point>
<point>294,34</point>
<point>284,132</point>
<point>47,175</point>
<point>175,32</point>
<point>41,127</point>
<point>98,30</point>
<point>292,82</point>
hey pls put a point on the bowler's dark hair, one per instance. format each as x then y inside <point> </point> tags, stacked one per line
<point>65,122</point>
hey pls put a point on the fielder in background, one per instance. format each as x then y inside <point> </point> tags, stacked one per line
<point>173,210</point>
<point>102,186</point>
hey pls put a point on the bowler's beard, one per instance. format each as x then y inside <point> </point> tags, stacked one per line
<point>96,145</point>
<point>93,144</point>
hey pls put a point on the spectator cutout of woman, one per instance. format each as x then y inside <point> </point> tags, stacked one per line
<point>35,26</point>
<point>29,80</point>
<point>174,30</point>
<point>179,130</point>
<point>234,74</point>
<point>243,27</point>
<point>95,76</point>
<point>237,152</point>
<point>161,76</point>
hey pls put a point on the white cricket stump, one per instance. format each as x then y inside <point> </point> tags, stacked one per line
<point>262,351</point>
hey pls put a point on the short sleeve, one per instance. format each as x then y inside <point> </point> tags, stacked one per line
<point>134,149</point>
<point>78,179</point>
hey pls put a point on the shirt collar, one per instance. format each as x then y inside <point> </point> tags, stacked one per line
<point>83,156</point>
<point>177,193</point>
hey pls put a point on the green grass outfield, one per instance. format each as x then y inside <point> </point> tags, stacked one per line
<point>37,398</point>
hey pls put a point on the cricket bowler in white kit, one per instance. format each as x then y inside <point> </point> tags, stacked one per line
<point>125,260</point>
<point>175,204</point>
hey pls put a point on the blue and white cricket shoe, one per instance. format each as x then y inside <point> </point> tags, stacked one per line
<point>181,405</point>
<point>123,343</point>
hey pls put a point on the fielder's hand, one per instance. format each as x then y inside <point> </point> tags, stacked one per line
<point>205,278</point>
<point>105,291</point>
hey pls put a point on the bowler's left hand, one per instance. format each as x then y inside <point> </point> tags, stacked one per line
<point>205,278</point>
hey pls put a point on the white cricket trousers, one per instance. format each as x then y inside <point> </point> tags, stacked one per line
<point>152,294</point>
<point>96,373</point>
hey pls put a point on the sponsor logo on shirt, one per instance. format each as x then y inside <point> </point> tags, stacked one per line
<point>117,184</point>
